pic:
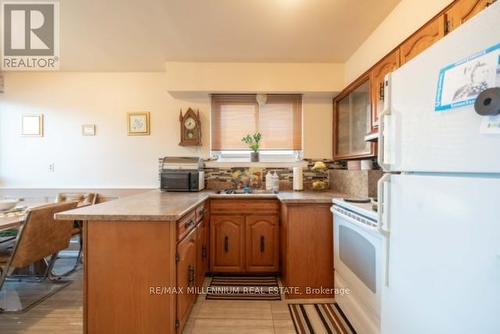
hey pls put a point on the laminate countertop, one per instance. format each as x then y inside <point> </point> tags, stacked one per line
<point>170,206</point>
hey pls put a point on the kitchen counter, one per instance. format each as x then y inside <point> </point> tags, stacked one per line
<point>161,206</point>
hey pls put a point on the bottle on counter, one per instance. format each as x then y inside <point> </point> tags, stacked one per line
<point>269,181</point>
<point>276,182</point>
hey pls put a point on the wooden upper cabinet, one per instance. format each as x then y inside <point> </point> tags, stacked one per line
<point>422,39</point>
<point>387,65</point>
<point>352,121</point>
<point>262,240</point>
<point>462,10</point>
<point>227,244</point>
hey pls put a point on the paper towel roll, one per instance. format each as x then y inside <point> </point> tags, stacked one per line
<point>298,179</point>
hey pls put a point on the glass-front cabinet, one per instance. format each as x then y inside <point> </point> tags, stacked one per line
<point>352,121</point>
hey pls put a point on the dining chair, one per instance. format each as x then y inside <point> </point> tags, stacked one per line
<point>39,237</point>
<point>83,199</point>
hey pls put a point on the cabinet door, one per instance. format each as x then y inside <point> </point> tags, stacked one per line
<point>262,244</point>
<point>352,121</point>
<point>343,128</point>
<point>186,276</point>
<point>227,238</point>
<point>202,253</point>
<point>462,10</point>
<point>389,64</point>
<point>422,39</point>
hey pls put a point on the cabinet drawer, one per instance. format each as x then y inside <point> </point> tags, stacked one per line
<point>186,224</point>
<point>244,206</point>
<point>201,210</point>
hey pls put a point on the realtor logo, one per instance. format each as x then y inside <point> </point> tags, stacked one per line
<point>30,39</point>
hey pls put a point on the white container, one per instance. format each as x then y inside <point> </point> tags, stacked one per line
<point>269,181</point>
<point>298,179</point>
<point>276,182</point>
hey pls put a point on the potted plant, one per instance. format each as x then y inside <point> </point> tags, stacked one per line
<point>253,141</point>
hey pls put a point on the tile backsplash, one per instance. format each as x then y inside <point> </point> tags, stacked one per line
<point>238,177</point>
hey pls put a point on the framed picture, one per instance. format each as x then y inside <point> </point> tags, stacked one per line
<point>138,124</point>
<point>88,130</point>
<point>32,126</point>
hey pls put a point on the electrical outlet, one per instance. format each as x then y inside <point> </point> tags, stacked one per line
<point>52,167</point>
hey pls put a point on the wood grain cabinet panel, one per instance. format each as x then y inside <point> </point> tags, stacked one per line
<point>186,276</point>
<point>307,249</point>
<point>201,252</point>
<point>262,240</point>
<point>462,10</point>
<point>377,75</point>
<point>422,39</point>
<point>227,236</point>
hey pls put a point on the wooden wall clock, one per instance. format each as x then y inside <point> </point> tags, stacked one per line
<point>190,128</point>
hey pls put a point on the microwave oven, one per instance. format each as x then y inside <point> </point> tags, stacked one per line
<point>182,180</point>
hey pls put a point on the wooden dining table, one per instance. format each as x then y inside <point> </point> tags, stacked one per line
<point>11,222</point>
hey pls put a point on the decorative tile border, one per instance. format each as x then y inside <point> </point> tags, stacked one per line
<point>220,178</point>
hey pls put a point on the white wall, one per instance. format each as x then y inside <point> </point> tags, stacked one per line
<point>111,159</point>
<point>255,77</point>
<point>406,18</point>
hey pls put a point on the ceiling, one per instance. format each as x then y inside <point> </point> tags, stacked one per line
<point>132,35</point>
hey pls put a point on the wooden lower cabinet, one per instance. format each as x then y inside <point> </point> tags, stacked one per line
<point>244,236</point>
<point>186,277</point>
<point>262,240</point>
<point>307,250</point>
<point>227,243</point>
<point>127,264</point>
<point>202,245</point>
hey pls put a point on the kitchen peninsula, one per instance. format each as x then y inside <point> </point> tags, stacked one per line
<point>137,247</point>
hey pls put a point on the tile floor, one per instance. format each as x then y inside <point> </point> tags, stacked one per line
<point>62,314</point>
<point>242,317</point>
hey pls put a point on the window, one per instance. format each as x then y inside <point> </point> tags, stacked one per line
<point>279,120</point>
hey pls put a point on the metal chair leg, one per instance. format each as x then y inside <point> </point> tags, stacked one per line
<point>74,268</point>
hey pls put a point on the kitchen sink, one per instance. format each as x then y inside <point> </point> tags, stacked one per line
<point>244,192</point>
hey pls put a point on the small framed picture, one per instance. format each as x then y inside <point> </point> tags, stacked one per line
<point>138,124</point>
<point>88,130</point>
<point>32,126</point>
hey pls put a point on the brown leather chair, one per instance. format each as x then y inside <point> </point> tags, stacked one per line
<point>40,236</point>
<point>83,199</point>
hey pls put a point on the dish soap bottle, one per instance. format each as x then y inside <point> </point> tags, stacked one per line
<point>276,182</point>
<point>269,181</point>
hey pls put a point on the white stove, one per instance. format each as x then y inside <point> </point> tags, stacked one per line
<point>359,251</point>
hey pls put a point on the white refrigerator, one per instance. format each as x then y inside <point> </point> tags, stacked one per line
<point>440,195</point>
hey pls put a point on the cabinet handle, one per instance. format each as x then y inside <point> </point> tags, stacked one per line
<point>381,91</point>
<point>262,243</point>
<point>190,223</point>
<point>226,244</point>
<point>190,275</point>
<point>203,251</point>
<point>448,26</point>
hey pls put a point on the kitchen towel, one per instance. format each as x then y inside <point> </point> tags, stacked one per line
<point>298,179</point>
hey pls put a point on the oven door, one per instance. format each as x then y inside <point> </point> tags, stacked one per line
<point>358,255</point>
<point>175,180</point>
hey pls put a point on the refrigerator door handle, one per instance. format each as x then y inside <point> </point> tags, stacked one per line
<point>381,127</point>
<point>383,219</point>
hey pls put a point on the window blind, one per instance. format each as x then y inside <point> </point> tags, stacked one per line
<point>279,120</point>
